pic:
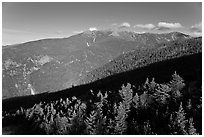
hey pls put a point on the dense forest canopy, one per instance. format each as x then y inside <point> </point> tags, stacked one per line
<point>150,108</point>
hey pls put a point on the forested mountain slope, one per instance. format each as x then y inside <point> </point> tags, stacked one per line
<point>143,57</point>
<point>55,64</point>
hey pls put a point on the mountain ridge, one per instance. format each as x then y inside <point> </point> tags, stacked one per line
<point>55,64</point>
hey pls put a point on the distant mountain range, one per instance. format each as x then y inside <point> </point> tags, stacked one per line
<point>54,64</point>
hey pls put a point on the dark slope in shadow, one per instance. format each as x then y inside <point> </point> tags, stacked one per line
<point>188,67</point>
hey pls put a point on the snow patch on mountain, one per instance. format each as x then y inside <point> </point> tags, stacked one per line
<point>32,90</point>
<point>87,44</point>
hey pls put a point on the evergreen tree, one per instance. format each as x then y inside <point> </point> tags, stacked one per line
<point>152,85</point>
<point>146,85</point>
<point>191,129</point>
<point>126,93</point>
<point>181,121</point>
<point>100,119</point>
<point>189,105</point>
<point>161,94</point>
<point>123,109</point>
<point>176,85</point>
<point>178,123</point>
<point>91,123</point>
<point>120,120</point>
<point>136,101</point>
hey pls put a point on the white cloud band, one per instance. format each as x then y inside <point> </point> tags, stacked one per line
<point>145,26</point>
<point>125,24</point>
<point>93,29</point>
<point>169,25</point>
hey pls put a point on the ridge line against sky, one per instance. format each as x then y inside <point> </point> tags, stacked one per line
<point>23,22</point>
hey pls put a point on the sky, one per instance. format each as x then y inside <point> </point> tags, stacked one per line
<point>22,22</point>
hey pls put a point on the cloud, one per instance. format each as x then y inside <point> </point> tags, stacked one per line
<point>145,26</point>
<point>166,25</point>
<point>93,29</point>
<point>124,25</point>
<point>197,34</point>
<point>162,28</point>
<point>197,27</point>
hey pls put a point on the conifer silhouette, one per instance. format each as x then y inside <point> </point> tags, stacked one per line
<point>178,123</point>
<point>191,128</point>
<point>176,85</point>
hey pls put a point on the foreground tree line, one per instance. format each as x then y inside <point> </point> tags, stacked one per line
<point>169,108</point>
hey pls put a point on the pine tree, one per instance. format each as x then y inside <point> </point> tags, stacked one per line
<point>91,123</point>
<point>99,95</point>
<point>136,101</point>
<point>145,86</point>
<point>103,99</point>
<point>178,123</point>
<point>126,93</point>
<point>191,129</point>
<point>181,119</point>
<point>176,85</point>
<point>189,105</point>
<point>120,119</point>
<point>100,119</point>
<point>96,121</point>
<point>152,85</point>
<point>124,108</point>
<point>68,101</point>
<point>161,94</point>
